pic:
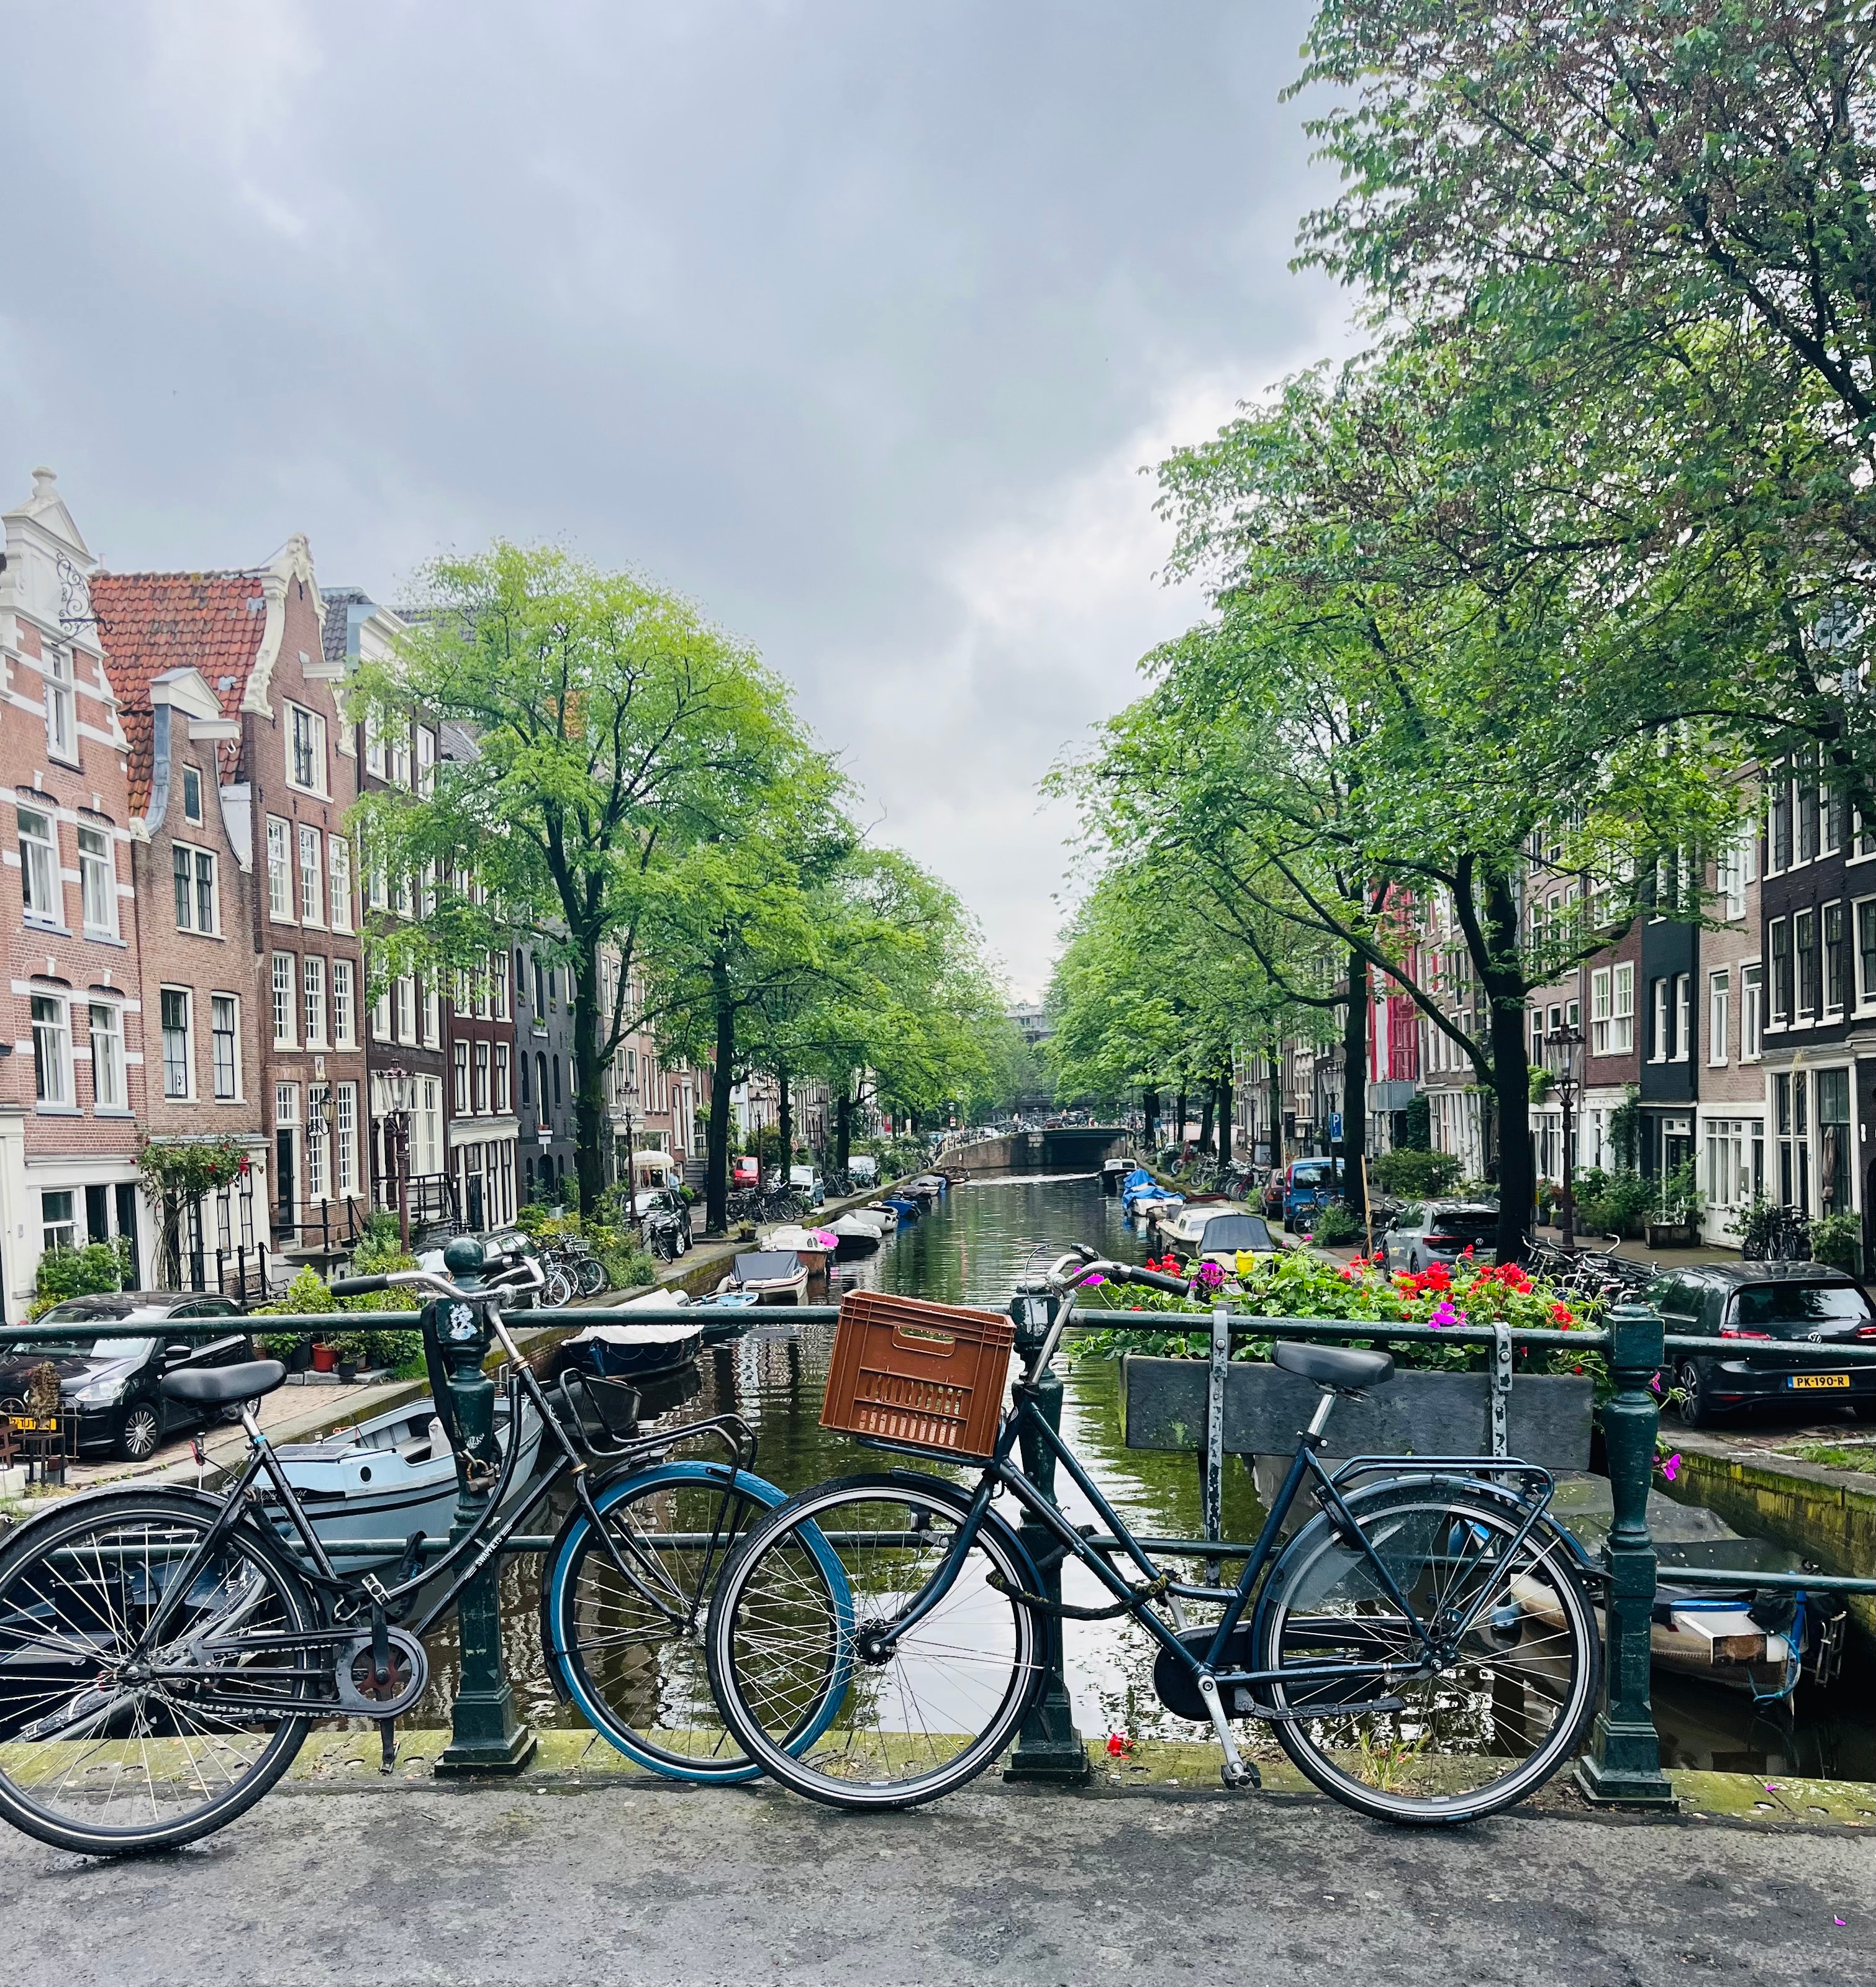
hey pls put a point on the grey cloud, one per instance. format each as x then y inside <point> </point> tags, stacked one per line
<point>854,320</point>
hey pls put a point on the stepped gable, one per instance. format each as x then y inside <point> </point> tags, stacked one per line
<point>152,622</point>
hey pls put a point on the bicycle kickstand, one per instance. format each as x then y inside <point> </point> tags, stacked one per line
<point>1236,1771</point>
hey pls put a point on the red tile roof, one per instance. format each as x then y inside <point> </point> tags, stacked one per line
<point>152,622</point>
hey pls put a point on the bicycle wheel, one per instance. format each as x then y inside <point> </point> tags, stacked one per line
<point>632,1657</point>
<point>557,1290</point>
<point>589,1275</point>
<point>1480,1723</point>
<point>789,1646</point>
<point>107,1745</point>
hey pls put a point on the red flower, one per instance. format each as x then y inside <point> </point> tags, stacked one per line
<point>1120,1747</point>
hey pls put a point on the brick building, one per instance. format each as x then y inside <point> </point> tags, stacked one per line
<point>169,639</point>
<point>72,1074</point>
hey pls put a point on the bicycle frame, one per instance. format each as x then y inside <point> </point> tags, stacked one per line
<point>1002,1473</point>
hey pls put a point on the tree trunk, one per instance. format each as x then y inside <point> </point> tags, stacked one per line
<point>723,1078</point>
<point>1355,1085</point>
<point>1178,1137</point>
<point>784,1122</point>
<point>588,1079</point>
<point>843,1132</point>
<point>1517,1171</point>
<point>1205,1117</point>
<point>1224,1118</point>
<point>1149,1114</point>
<point>1276,1114</point>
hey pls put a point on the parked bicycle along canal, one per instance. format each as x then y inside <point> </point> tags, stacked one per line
<point>973,1248</point>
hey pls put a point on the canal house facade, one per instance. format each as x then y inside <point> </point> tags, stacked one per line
<point>168,637</point>
<point>72,1073</point>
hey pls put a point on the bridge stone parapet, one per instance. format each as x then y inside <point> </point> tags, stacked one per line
<point>1074,1148</point>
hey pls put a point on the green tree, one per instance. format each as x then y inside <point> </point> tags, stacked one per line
<point>620,742</point>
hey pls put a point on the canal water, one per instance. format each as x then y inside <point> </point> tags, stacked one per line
<point>974,1248</point>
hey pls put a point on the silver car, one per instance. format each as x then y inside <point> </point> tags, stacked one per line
<point>1426,1232</point>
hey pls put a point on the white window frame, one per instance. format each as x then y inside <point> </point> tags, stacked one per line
<point>503,1080</point>
<point>192,780</point>
<point>1719,1017</point>
<point>343,984</point>
<point>97,869</point>
<point>374,747</point>
<point>42,890</point>
<point>279,872</point>
<point>1752,1010</point>
<point>61,705</point>
<point>218,1005</point>
<point>339,873</point>
<point>311,877</point>
<point>1622,1018</point>
<point>316,1145</point>
<point>107,1062</point>
<point>425,762</point>
<point>181,996</point>
<point>299,715</point>
<point>1683,1016</point>
<point>313,991</point>
<point>57,1231</point>
<point>201,863</point>
<point>285,986</point>
<point>344,1140</point>
<point>51,1051</point>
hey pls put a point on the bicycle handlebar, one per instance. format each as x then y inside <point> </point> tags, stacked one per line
<point>358,1286</point>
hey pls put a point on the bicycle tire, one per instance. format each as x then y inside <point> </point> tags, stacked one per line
<point>556,1287</point>
<point>97,1593</point>
<point>1416,1525</point>
<point>583,1590</point>
<point>767,1594</point>
<point>589,1276</point>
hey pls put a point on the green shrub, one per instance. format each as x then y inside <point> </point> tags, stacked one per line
<point>1837,1239</point>
<point>1612,1204</point>
<point>94,1270</point>
<point>1337,1223</point>
<point>1413,1174</point>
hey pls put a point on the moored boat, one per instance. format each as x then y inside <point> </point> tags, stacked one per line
<point>771,1276</point>
<point>390,1476</point>
<point>633,1351</point>
<point>854,1234</point>
<point>815,1246</point>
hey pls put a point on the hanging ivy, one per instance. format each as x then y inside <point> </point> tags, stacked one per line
<point>178,1172</point>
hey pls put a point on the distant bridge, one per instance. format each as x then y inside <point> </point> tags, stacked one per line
<point>1066,1148</point>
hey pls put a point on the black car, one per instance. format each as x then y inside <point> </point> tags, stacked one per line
<point>1760,1303</point>
<point>113,1383</point>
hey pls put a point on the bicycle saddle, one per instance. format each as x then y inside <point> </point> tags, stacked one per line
<point>217,1386</point>
<point>1334,1366</point>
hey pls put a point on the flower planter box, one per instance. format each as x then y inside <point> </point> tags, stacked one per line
<point>1163,1407</point>
<point>1670,1235</point>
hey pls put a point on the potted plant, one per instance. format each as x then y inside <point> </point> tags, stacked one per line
<point>325,1357</point>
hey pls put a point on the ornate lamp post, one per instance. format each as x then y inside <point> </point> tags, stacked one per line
<point>1566,1040</point>
<point>398,1094</point>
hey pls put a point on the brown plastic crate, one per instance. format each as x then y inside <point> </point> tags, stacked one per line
<point>928,1376</point>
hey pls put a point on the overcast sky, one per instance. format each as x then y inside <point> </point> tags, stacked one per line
<point>856,322</point>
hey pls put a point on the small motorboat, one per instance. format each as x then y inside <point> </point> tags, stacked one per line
<point>854,1234</point>
<point>635,1351</point>
<point>770,1276</point>
<point>726,1314</point>
<point>1112,1172</point>
<point>903,1206</point>
<point>390,1476</point>
<point>814,1246</point>
<point>1225,1237</point>
<point>884,1213</point>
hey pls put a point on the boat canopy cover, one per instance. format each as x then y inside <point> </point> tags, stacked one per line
<point>1138,1177</point>
<point>1224,1233</point>
<point>766,1266</point>
<point>635,1335</point>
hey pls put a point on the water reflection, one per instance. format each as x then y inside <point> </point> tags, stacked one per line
<point>973,1248</point>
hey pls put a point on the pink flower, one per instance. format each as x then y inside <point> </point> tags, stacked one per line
<point>1445,1314</point>
<point>1210,1275</point>
<point>1088,1283</point>
<point>1670,1467</point>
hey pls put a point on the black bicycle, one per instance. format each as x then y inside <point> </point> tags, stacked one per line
<point>1423,1645</point>
<point>163,1651</point>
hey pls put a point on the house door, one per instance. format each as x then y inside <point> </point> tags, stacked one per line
<point>474,1200</point>
<point>287,1181</point>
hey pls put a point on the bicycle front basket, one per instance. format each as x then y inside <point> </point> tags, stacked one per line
<point>923,1376</point>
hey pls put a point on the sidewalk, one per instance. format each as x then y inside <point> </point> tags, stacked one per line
<point>556,1879</point>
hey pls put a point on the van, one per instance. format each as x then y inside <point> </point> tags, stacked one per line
<point>1308,1184</point>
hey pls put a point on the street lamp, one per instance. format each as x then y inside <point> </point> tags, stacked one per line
<point>1566,1040</point>
<point>399,1096</point>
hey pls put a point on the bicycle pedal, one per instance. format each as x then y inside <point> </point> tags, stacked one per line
<point>1241,1775</point>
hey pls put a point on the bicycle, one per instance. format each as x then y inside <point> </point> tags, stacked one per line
<point>163,1651</point>
<point>1423,1645</point>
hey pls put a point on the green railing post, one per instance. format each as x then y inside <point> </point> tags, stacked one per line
<point>1049,1747</point>
<point>486,1736</point>
<point>1624,1762</point>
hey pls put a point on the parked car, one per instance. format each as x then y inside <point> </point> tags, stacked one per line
<point>1767,1302</point>
<point>1308,1183</point>
<point>1425,1232</point>
<point>807,1181</point>
<point>114,1383</point>
<point>745,1171</point>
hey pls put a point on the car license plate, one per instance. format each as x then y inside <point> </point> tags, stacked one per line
<point>1827,1380</point>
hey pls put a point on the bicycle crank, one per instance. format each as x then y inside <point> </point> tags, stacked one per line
<point>360,1689</point>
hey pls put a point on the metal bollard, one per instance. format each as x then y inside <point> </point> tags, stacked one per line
<point>1624,1762</point>
<point>1049,1747</point>
<point>486,1736</point>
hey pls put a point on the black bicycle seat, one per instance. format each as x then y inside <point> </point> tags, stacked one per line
<point>1336,1366</point>
<point>216,1386</point>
